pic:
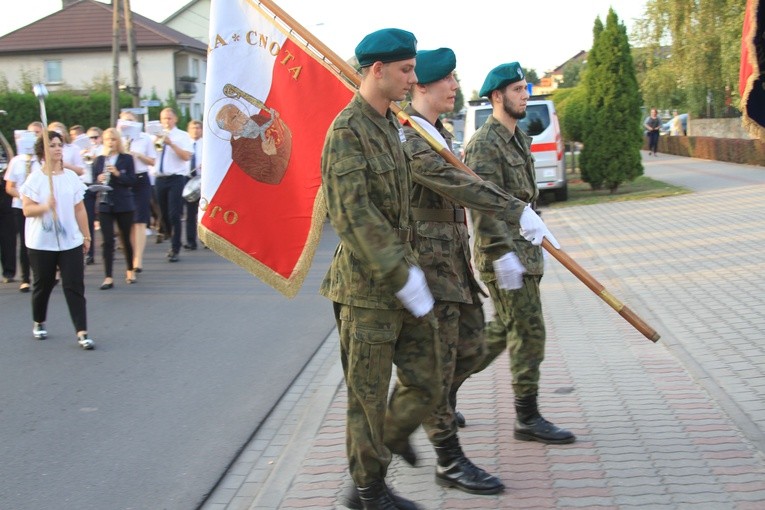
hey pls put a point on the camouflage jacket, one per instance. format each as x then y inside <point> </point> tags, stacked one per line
<point>366,183</point>
<point>443,247</point>
<point>505,159</point>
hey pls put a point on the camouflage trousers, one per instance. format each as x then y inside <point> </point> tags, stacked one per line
<point>518,326</point>
<point>371,341</point>
<point>460,328</point>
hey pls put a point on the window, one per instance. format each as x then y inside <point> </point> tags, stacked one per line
<point>195,67</point>
<point>53,73</point>
<point>537,119</point>
<point>481,116</point>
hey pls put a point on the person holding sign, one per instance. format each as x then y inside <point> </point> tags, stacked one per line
<point>19,169</point>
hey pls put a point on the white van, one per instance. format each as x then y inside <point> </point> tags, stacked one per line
<point>541,124</point>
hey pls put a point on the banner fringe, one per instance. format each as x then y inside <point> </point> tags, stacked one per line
<point>752,127</point>
<point>290,286</point>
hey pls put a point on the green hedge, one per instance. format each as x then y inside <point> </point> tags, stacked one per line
<point>87,110</point>
<point>733,150</point>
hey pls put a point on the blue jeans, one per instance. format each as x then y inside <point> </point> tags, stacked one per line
<point>653,141</point>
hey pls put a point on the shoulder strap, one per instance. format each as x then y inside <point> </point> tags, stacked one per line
<point>431,129</point>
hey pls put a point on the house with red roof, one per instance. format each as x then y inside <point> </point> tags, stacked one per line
<point>71,49</point>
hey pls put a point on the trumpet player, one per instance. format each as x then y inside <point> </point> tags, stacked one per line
<point>115,168</point>
<point>171,171</point>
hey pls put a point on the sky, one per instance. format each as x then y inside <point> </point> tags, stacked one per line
<point>483,33</point>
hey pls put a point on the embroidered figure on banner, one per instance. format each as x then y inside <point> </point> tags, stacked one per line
<point>261,142</point>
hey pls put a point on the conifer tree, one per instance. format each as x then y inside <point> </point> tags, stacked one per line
<point>612,131</point>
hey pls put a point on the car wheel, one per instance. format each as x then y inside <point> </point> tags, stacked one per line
<point>561,194</point>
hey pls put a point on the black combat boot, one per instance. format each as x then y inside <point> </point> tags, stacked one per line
<point>530,426</point>
<point>453,469</point>
<point>376,496</point>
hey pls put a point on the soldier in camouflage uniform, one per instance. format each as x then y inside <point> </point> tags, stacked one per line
<point>440,194</point>
<point>382,304</point>
<point>500,152</point>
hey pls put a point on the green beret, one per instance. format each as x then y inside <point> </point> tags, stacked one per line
<point>386,45</point>
<point>500,76</point>
<point>432,65</point>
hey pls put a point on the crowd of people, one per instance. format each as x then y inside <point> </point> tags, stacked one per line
<point>64,185</point>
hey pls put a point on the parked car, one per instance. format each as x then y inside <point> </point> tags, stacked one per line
<point>541,124</point>
<point>665,127</point>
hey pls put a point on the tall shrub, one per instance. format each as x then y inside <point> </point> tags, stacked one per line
<point>612,133</point>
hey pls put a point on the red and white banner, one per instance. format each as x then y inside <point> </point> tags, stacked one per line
<point>752,70</point>
<point>268,104</point>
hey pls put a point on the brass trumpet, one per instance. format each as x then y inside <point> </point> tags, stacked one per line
<point>159,142</point>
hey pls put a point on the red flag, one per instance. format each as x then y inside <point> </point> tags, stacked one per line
<point>751,78</point>
<point>269,102</point>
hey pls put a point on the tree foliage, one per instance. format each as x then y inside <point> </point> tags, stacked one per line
<point>66,107</point>
<point>572,72</point>
<point>532,76</point>
<point>612,132</point>
<point>704,41</point>
<point>571,105</point>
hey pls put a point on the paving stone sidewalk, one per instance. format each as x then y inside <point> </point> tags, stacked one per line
<point>673,425</point>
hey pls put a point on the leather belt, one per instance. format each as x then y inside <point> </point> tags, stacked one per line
<point>404,234</point>
<point>448,215</point>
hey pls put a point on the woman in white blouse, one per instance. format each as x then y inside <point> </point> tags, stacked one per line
<point>57,236</point>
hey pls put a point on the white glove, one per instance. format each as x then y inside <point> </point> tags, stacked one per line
<point>415,294</point>
<point>534,229</point>
<point>509,271</point>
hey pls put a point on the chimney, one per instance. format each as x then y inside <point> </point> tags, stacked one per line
<point>67,3</point>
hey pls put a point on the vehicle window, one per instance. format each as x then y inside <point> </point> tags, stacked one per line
<point>481,116</point>
<point>537,119</point>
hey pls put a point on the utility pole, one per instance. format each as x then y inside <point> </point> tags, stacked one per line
<point>115,63</point>
<point>135,89</point>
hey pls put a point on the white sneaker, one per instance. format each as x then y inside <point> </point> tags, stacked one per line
<point>39,331</point>
<point>85,342</point>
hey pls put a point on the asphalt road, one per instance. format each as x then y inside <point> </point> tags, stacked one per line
<point>188,363</point>
<point>700,174</point>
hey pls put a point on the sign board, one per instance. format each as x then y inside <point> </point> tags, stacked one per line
<point>130,130</point>
<point>154,128</point>
<point>136,111</point>
<point>151,102</point>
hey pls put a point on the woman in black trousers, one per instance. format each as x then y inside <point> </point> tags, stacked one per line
<point>116,170</point>
<point>57,236</point>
